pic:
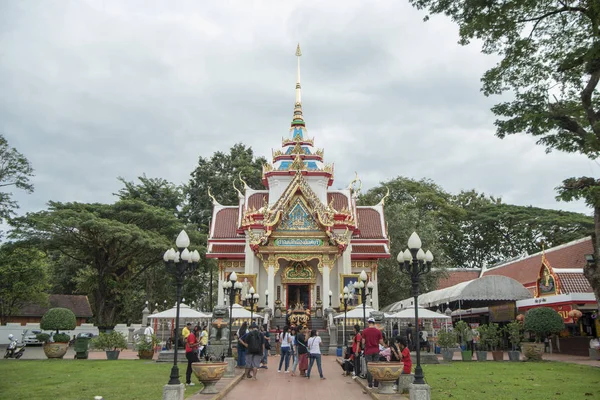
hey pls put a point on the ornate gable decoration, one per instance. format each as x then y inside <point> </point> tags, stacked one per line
<point>547,283</point>
<point>298,218</point>
<point>298,272</point>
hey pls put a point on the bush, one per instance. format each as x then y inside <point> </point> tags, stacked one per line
<point>62,338</point>
<point>109,341</point>
<point>484,337</point>
<point>446,340</point>
<point>143,345</point>
<point>462,328</point>
<point>57,319</point>
<point>494,336</point>
<point>543,321</point>
<point>515,333</point>
<point>43,337</point>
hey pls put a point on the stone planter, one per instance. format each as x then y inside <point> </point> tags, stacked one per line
<point>481,355</point>
<point>467,355</point>
<point>514,356</point>
<point>532,351</point>
<point>386,373</point>
<point>145,354</point>
<point>112,354</point>
<point>55,350</point>
<point>447,355</point>
<point>498,355</point>
<point>209,374</point>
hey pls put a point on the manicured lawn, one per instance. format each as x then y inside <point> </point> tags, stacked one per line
<point>84,379</point>
<point>509,380</point>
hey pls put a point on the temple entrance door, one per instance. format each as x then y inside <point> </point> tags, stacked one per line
<point>298,293</point>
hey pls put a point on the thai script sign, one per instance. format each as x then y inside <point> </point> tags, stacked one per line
<point>298,242</point>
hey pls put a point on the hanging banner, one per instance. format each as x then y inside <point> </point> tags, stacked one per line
<point>502,312</point>
<point>563,311</point>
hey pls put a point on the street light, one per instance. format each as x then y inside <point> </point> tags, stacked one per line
<point>231,288</point>
<point>344,301</point>
<point>179,263</point>
<point>364,292</point>
<point>414,262</point>
<point>252,299</point>
<point>164,305</point>
<point>266,298</point>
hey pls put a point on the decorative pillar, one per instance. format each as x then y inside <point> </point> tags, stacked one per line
<point>220,295</point>
<point>325,292</point>
<point>271,286</point>
<point>375,295</point>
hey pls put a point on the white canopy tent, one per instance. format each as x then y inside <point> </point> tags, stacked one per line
<point>185,312</point>
<point>239,312</point>
<point>356,313</point>
<point>409,313</point>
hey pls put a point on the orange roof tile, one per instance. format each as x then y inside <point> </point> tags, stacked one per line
<point>257,200</point>
<point>367,249</point>
<point>526,270</point>
<point>456,277</point>
<point>369,223</point>
<point>225,223</point>
<point>227,248</point>
<point>339,200</point>
<point>574,283</point>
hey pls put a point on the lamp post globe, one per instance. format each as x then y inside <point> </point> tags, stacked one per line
<point>179,263</point>
<point>415,263</point>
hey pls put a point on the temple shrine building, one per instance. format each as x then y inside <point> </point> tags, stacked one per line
<point>299,240</point>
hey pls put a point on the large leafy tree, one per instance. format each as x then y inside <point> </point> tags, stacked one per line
<point>218,174</point>
<point>550,63</point>
<point>23,278</point>
<point>156,192</point>
<point>112,244</point>
<point>15,172</point>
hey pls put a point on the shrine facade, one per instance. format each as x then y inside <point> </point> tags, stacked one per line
<point>299,239</point>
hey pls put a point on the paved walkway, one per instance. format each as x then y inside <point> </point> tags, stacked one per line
<point>273,385</point>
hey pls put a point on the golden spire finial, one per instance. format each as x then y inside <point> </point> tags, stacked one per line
<point>240,195</point>
<point>382,202</point>
<point>298,52</point>
<point>214,201</point>
<point>246,187</point>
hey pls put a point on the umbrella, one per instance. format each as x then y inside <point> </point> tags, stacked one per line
<point>185,312</point>
<point>409,313</point>
<point>356,313</point>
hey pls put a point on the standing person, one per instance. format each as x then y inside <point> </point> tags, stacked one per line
<point>277,341</point>
<point>241,361</point>
<point>266,335</point>
<point>405,356</point>
<point>186,330</point>
<point>286,342</point>
<point>356,348</point>
<point>294,351</point>
<point>371,339</point>
<point>314,348</point>
<point>203,341</point>
<point>395,330</point>
<point>191,345</point>
<point>409,336</point>
<point>302,348</point>
<point>253,341</point>
<point>148,332</point>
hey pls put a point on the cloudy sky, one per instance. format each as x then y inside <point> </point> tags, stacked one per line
<point>92,90</point>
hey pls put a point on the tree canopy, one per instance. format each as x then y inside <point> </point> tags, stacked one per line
<point>15,172</point>
<point>156,192</point>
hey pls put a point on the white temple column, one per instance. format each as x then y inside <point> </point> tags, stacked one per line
<point>271,286</point>
<point>220,294</point>
<point>375,289</point>
<point>347,260</point>
<point>326,269</point>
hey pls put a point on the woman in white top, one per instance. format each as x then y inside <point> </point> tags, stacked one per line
<point>286,343</point>
<point>294,351</point>
<point>314,349</point>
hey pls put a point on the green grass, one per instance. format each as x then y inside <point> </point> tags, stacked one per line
<point>512,381</point>
<point>84,379</point>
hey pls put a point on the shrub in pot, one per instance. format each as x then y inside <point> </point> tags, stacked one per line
<point>515,334</point>
<point>112,343</point>
<point>57,319</point>
<point>494,340</point>
<point>483,342</point>
<point>146,347</point>
<point>463,330</point>
<point>447,341</point>
<point>540,321</point>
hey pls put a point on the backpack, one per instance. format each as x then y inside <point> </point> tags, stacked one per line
<point>254,343</point>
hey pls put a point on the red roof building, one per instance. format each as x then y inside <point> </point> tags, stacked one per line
<point>458,275</point>
<point>299,240</point>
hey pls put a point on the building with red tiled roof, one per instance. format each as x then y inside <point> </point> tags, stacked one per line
<point>299,240</point>
<point>458,275</point>
<point>33,312</point>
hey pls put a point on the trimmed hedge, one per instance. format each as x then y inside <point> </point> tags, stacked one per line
<point>57,319</point>
<point>543,321</point>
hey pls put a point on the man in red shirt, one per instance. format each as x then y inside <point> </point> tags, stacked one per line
<point>371,339</point>
<point>356,347</point>
<point>191,344</point>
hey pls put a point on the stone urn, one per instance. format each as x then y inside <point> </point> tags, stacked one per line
<point>532,351</point>
<point>55,349</point>
<point>386,373</point>
<point>209,374</point>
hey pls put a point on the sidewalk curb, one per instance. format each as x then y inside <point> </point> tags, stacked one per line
<point>372,392</point>
<point>228,388</point>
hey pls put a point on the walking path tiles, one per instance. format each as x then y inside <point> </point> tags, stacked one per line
<point>273,385</point>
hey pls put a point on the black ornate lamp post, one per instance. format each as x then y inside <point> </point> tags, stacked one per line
<point>231,288</point>
<point>415,262</point>
<point>344,302</point>
<point>252,299</point>
<point>363,292</point>
<point>180,263</point>
<point>266,298</point>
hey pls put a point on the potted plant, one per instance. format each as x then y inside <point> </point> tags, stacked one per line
<point>463,330</point>
<point>540,321</point>
<point>494,339</point>
<point>56,319</point>
<point>112,343</point>
<point>483,342</point>
<point>447,342</point>
<point>515,334</point>
<point>146,347</point>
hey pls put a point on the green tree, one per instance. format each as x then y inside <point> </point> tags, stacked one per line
<point>156,192</point>
<point>113,243</point>
<point>15,172</point>
<point>218,173</point>
<point>550,62</point>
<point>23,278</point>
